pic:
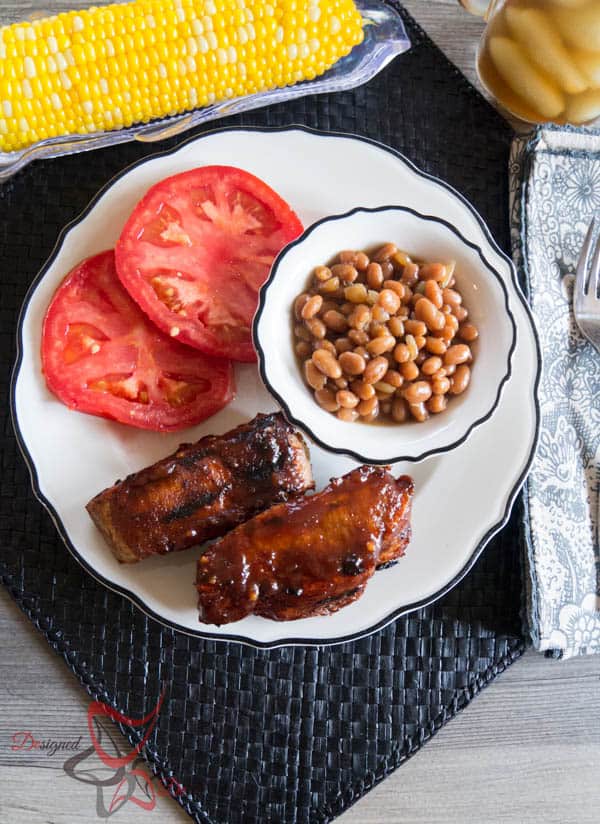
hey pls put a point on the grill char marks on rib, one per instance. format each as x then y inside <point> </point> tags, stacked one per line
<point>203,490</point>
<point>311,556</point>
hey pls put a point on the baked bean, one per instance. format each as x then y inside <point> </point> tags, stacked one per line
<point>396,286</point>
<point>329,286</point>
<point>401,353</point>
<point>433,293</point>
<point>335,321</point>
<point>386,407</point>
<point>431,365</point>
<point>357,293</point>
<point>375,370</point>
<point>450,369</point>
<point>303,349</point>
<point>368,418</point>
<point>384,388</point>
<point>326,399</point>
<point>468,332</point>
<point>413,349</point>
<point>377,330</point>
<point>374,276</point>
<point>363,390</point>
<point>316,328</point>
<point>360,350</point>
<point>358,336</point>
<point>387,269</point>
<point>460,380</point>
<point>399,410</point>
<point>420,340</point>
<point>378,346</point>
<point>417,392</point>
<point>359,260</point>
<point>314,377</point>
<point>379,313</point>
<point>452,298</point>
<point>347,415</point>
<point>409,371</point>
<point>329,304</point>
<point>393,377</point>
<point>341,383</point>
<point>372,296</point>
<point>389,301</point>
<point>447,310</point>
<point>437,346</point>
<point>459,353</point>
<point>418,411</point>
<point>461,314</point>
<point>322,273</point>
<point>351,363</point>
<point>345,272</point>
<point>368,407</point>
<point>343,345</point>
<point>299,305</point>
<point>346,308</point>
<point>449,330</point>
<point>400,259</point>
<point>406,300</point>
<point>427,312</point>
<point>324,344</point>
<point>346,399</point>
<point>421,358</point>
<point>410,274</point>
<point>433,271</point>
<point>385,252</point>
<point>327,363</point>
<point>415,327</point>
<point>396,327</point>
<point>302,333</point>
<point>436,404</point>
<point>360,317</point>
<point>440,386</point>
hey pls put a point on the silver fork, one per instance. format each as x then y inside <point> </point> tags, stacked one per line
<point>586,303</point>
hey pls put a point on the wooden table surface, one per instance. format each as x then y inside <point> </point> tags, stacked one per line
<point>526,751</point>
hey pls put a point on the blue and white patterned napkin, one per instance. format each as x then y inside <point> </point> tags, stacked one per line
<point>555,183</point>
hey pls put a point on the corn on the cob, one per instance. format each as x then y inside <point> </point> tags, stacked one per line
<point>110,67</point>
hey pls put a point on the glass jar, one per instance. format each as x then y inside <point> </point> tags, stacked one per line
<point>540,59</point>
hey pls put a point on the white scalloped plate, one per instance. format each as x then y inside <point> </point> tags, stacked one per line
<point>462,498</point>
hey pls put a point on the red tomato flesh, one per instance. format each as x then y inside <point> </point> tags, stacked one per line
<point>196,250</point>
<point>101,354</point>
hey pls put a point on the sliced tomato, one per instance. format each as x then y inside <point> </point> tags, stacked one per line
<point>101,354</point>
<point>197,249</point>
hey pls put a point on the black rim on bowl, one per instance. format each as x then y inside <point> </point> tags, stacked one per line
<point>292,640</point>
<point>299,422</point>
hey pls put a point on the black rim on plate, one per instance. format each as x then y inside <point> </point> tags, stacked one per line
<point>299,422</point>
<point>293,641</point>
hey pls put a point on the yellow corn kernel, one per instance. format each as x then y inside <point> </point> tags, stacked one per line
<point>106,68</point>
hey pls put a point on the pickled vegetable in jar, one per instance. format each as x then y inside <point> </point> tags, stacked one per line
<point>540,59</point>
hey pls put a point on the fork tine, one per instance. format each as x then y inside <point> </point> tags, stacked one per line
<point>584,258</point>
<point>592,289</point>
<point>582,267</point>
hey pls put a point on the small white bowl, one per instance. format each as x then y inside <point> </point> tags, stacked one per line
<point>428,237</point>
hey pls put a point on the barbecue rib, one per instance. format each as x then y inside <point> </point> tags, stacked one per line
<point>203,490</point>
<point>310,556</point>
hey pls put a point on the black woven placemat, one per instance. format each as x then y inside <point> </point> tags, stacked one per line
<point>295,734</point>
